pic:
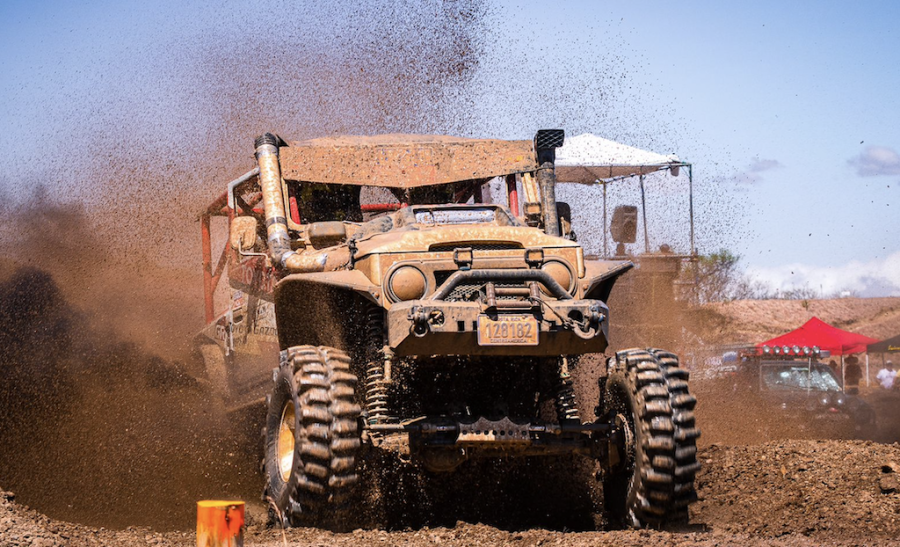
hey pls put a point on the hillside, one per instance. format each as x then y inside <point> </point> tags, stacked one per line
<point>752,321</point>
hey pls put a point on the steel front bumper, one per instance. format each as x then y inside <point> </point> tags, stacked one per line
<point>435,327</point>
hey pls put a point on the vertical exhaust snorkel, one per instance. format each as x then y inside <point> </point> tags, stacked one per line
<point>546,141</point>
<point>279,240</point>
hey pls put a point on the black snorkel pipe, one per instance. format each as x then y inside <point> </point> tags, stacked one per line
<point>546,141</point>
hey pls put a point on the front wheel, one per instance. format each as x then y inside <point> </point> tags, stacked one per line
<point>312,435</point>
<point>651,483</point>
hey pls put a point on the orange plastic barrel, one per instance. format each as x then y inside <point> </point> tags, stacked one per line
<point>220,523</point>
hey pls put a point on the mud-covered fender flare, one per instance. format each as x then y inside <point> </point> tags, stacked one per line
<point>600,276</point>
<point>313,307</point>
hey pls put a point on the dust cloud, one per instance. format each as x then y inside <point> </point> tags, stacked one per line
<point>103,421</point>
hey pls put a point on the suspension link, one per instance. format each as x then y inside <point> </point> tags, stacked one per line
<point>376,379</point>
<point>566,407</point>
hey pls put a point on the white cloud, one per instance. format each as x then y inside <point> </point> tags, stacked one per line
<point>879,277</point>
<point>876,160</point>
<point>752,175</point>
<point>758,165</point>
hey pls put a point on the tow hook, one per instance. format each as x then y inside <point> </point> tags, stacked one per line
<point>422,320</point>
<point>589,328</point>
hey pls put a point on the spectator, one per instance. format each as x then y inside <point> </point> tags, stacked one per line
<point>835,369</point>
<point>887,376</point>
<point>852,375</point>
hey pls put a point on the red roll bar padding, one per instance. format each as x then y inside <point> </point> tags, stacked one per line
<point>380,207</point>
<point>513,194</point>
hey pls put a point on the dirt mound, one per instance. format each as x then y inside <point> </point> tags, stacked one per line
<point>96,430</point>
<point>753,321</point>
<point>822,489</point>
<point>790,493</point>
<point>21,527</point>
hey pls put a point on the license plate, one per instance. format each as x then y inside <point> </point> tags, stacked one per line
<point>507,330</point>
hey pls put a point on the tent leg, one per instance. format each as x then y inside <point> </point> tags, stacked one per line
<point>644,213</point>
<point>868,383</point>
<point>605,225</point>
<point>843,376</point>
<point>690,168</point>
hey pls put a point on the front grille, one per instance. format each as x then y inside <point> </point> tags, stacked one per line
<point>480,246</point>
<point>465,292</point>
<point>470,292</point>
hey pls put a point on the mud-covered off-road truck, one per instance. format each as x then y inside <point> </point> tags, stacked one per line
<point>379,303</point>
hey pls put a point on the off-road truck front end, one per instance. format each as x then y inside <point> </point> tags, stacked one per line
<point>443,330</point>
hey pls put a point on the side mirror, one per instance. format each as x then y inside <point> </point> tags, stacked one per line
<point>243,233</point>
<point>326,234</point>
<point>623,227</point>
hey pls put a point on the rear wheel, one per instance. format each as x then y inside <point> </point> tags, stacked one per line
<point>652,481</point>
<point>312,436</point>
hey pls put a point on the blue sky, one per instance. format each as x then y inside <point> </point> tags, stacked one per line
<point>788,110</point>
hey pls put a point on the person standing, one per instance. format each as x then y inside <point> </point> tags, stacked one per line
<point>852,375</point>
<point>887,376</point>
<point>836,370</point>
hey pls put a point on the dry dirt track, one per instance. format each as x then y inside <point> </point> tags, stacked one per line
<point>778,493</point>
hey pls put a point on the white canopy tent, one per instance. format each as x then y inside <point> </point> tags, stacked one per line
<point>590,159</point>
<point>587,159</point>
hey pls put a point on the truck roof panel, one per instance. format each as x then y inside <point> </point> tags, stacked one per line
<point>404,161</point>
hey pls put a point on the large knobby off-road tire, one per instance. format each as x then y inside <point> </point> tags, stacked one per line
<point>312,437</point>
<point>647,395</point>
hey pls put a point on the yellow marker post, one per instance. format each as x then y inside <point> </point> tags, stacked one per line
<point>220,523</point>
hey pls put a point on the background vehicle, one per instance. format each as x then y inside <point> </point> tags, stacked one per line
<point>804,396</point>
<point>406,315</point>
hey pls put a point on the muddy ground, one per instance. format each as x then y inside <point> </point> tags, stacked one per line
<point>110,445</point>
<point>778,493</point>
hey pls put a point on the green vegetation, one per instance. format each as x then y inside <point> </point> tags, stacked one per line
<point>718,277</point>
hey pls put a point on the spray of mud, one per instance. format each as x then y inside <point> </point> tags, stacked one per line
<point>94,429</point>
<point>101,421</point>
<point>102,264</point>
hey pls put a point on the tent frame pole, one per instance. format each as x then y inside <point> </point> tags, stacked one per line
<point>605,225</point>
<point>644,213</point>
<point>690,170</point>
<point>868,382</point>
<point>843,376</point>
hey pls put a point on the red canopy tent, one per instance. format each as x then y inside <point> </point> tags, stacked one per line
<point>816,332</point>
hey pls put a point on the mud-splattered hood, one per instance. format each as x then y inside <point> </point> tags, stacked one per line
<point>442,228</point>
<point>438,238</point>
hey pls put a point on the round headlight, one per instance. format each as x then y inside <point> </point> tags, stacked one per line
<point>777,350</point>
<point>767,350</point>
<point>786,350</point>
<point>407,283</point>
<point>560,273</point>
<point>806,350</point>
<point>796,350</point>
